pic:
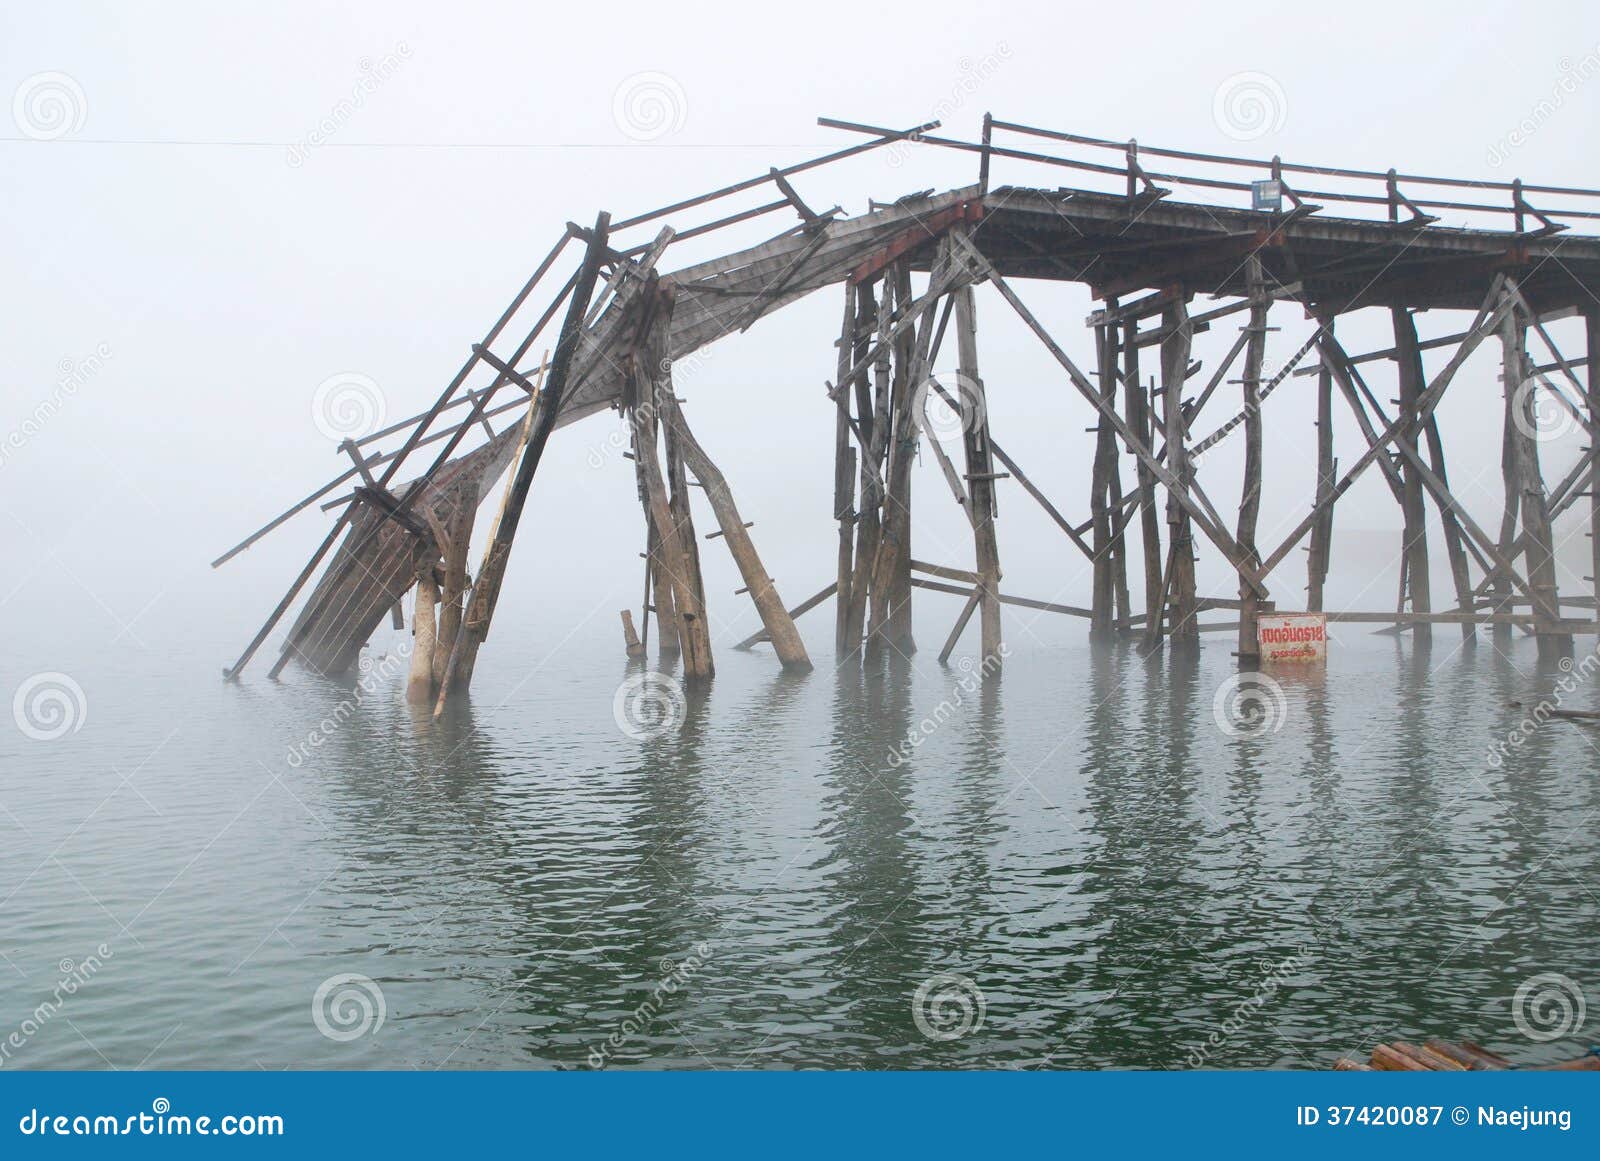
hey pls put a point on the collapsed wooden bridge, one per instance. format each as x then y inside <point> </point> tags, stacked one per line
<point>909,269</point>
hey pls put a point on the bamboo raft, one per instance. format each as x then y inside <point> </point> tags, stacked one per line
<point>909,270</point>
<point>1461,1056</point>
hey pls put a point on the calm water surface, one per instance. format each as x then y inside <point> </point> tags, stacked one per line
<point>1121,881</point>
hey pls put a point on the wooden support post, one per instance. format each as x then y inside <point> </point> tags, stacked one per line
<point>1454,541</point>
<point>1414,537</point>
<point>458,537</point>
<point>669,632</point>
<point>1137,402</point>
<point>779,625</point>
<point>630,636</point>
<point>420,684</point>
<point>1103,587</point>
<point>486,591</point>
<point>1591,322</point>
<point>1541,567</point>
<point>1321,553</point>
<point>872,411</point>
<point>652,370</point>
<point>890,617</point>
<point>1250,493</point>
<point>1182,628</point>
<point>844,471</point>
<point>980,469</point>
<point>1501,584</point>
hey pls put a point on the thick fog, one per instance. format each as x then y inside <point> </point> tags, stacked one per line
<point>209,211</point>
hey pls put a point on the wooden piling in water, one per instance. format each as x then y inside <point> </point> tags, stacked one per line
<point>1250,491</point>
<point>1183,630</point>
<point>1414,536</point>
<point>980,473</point>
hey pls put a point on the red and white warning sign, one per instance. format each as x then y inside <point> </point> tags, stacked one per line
<point>1293,637</point>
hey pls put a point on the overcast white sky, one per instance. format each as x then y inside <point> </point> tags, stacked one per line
<point>184,225</point>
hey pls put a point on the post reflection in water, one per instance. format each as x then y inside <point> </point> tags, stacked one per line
<point>1085,862</point>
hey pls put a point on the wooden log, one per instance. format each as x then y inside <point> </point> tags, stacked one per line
<point>775,618</point>
<point>1492,1059</point>
<point>1535,513</point>
<point>420,683</point>
<point>458,538</point>
<point>1018,602</point>
<point>872,408</point>
<point>795,613</point>
<point>1414,535</point>
<point>676,522</point>
<point>1182,628</point>
<point>1250,490</point>
<point>1320,556</point>
<point>1102,584</point>
<point>961,624</point>
<point>1345,1064</point>
<point>889,621</point>
<point>1591,323</point>
<point>979,463</point>
<point>630,636</point>
<point>1388,1059</point>
<point>844,470</point>
<point>1454,541</point>
<point>1137,405</point>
